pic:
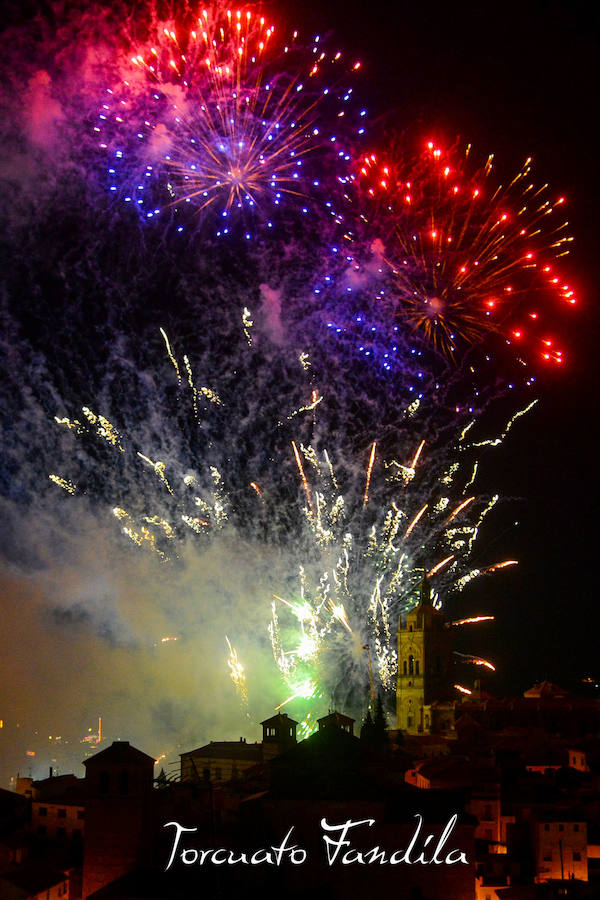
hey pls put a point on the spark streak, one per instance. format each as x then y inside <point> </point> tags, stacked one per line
<point>303,476</point>
<point>415,520</point>
<point>369,470</point>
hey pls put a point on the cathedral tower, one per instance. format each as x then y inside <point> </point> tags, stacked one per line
<point>424,661</point>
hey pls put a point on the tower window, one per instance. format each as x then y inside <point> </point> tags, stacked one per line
<point>411,665</point>
<point>417,667</point>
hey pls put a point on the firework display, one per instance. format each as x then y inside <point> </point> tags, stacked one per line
<point>225,117</point>
<point>468,256</point>
<point>377,561</point>
<point>280,436</point>
<point>361,551</point>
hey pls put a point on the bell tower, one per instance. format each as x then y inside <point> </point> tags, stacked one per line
<point>424,661</point>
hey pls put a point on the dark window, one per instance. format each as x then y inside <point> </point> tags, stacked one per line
<point>41,830</point>
<point>561,827</point>
<point>62,814</point>
<point>43,811</point>
<point>103,785</point>
<point>546,827</point>
<point>576,856</point>
<point>548,856</point>
<point>206,774</point>
<point>411,665</point>
<point>123,783</point>
<point>61,833</point>
<point>77,834</point>
<point>417,667</point>
<point>409,721</point>
<point>218,773</point>
<point>81,814</point>
<point>576,827</point>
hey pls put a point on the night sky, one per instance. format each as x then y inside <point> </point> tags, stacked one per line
<point>514,80</point>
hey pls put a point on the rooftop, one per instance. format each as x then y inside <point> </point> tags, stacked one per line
<point>119,752</point>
